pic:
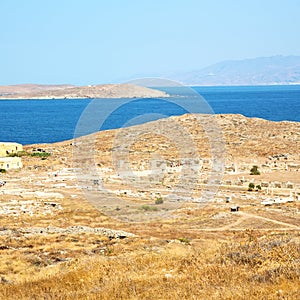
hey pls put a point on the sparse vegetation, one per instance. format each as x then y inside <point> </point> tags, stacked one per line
<point>149,208</point>
<point>258,187</point>
<point>159,200</point>
<point>41,154</point>
<point>254,171</point>
<point>251,266</point>
<point>185,240</point>
<point>216,264</point>
<point>251,187</point>
<point>18,154</point>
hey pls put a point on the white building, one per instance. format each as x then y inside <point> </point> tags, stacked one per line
<point>10,163</point>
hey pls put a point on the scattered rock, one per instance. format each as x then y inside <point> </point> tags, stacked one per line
<point>111,233</point>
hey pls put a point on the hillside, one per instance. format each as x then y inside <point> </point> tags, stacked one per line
<point>118,214</point>
<point>181,154</point>
<point>9,90</point>
<point>257,71</point>
<point>73,92</point>
<point>243,137</point>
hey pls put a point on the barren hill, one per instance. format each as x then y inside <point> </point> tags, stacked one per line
<point>243,137</point>
<point>235,141</point>
<point>9,90</point>
<point>32,91</point>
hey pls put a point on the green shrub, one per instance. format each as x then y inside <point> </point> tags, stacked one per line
<point>254,171</point>
<point>12,154</point>
<point>251,187</point>
<point>159,201</point>
<point>40,154</point>
<point>258,187</point>
<point>2,171</point>
<point>148,208</point>
<point>18,154</point>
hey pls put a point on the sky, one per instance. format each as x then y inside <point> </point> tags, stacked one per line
<point>92,42</point>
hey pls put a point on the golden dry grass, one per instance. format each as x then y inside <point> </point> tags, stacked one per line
<point>252,266</point>
<point>184,258</point>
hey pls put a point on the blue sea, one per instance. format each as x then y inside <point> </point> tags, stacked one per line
<point>47,121</point>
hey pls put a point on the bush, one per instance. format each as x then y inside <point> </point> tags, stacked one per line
<point>251,187</point>
<point>258,187</point>
<point>18,154</point>
<point>254,171</point>
<point>159,201</point>
<point>148,208</point>
<point>40,154</point>
<point>184,240</point>
<point>2,171</point>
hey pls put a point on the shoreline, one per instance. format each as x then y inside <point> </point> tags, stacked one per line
<point>84,98</point>
<point>104,91</point>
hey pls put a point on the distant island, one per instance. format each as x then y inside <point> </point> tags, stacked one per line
<point>35,91</point>
<point>274,70</point>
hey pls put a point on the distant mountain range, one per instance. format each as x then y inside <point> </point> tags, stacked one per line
<point>257,71</point>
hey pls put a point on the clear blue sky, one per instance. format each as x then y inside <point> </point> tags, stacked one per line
<point>97,41</point>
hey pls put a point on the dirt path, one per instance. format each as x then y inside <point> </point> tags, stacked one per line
<point>244,216</point>
<point>269,220</point>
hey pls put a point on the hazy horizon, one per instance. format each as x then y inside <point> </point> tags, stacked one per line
<point>93,42</point>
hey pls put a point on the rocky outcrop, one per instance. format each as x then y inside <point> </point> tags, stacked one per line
<point>111,233</point>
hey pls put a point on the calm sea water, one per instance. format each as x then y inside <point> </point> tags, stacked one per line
<point>47,121</point>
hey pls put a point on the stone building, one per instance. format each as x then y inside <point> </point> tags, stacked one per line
<point>6,160</point>
<point>9,148</point>
<point>10,163</point>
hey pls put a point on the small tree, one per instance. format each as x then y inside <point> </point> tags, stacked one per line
<point>251,187</point>
<point>258,187</point>
<point>254,171</point>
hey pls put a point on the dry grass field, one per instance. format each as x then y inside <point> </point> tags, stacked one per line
<point>199,255</point>
<point>186,258</point>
